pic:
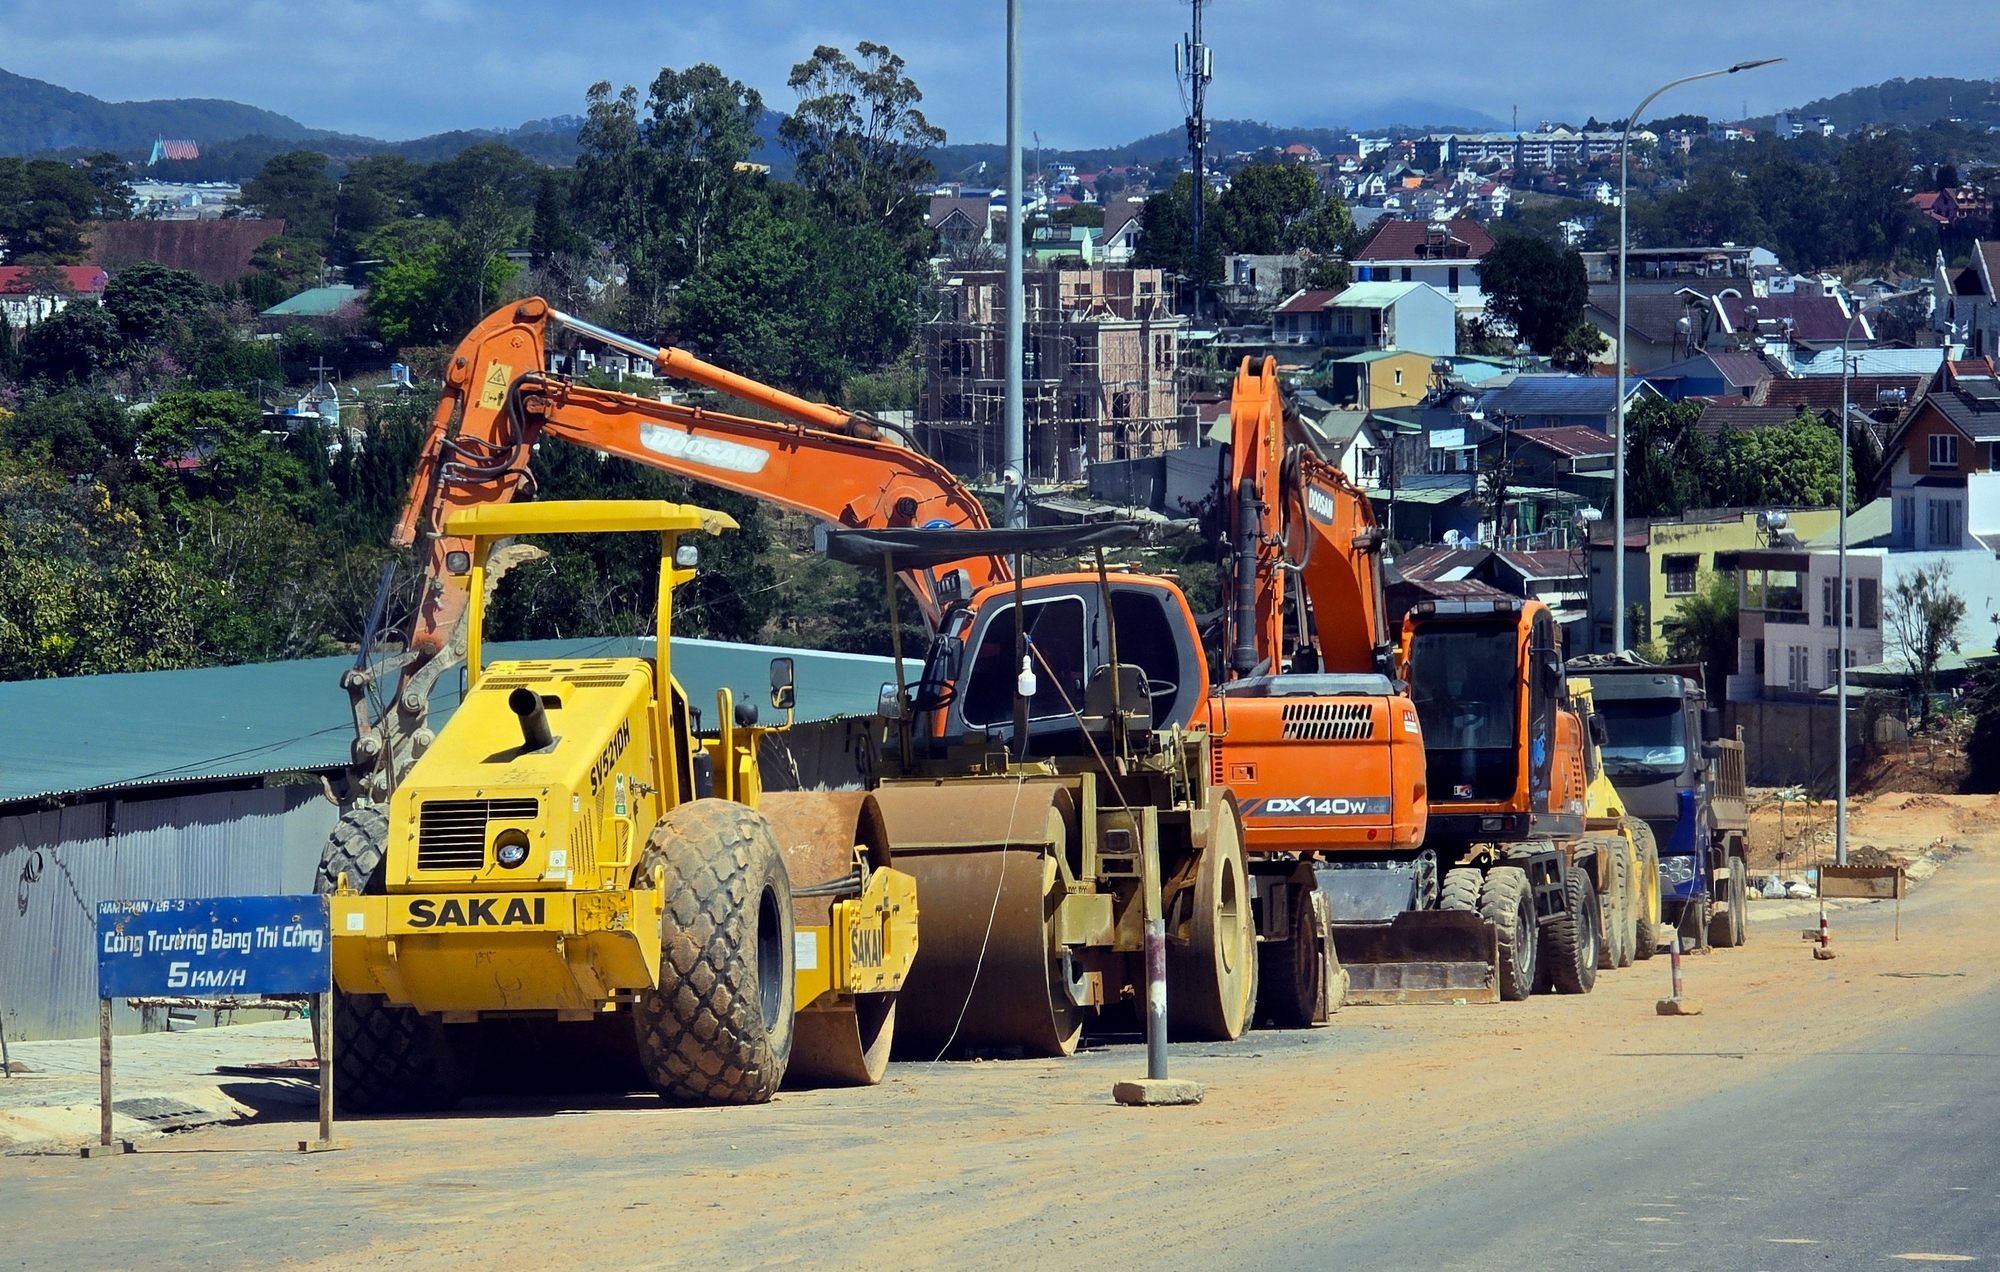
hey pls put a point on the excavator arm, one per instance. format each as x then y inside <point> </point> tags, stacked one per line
<point>1300,529</point>
<point>499,402</point>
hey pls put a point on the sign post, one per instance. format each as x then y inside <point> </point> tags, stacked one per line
<point>217,947</point>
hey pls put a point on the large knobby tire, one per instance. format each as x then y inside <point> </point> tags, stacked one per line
<point>1628,906</point>
<point>1616,907</point>
<point>718,1029</point>
<point>1506,901</point>
<point>1212,973</point>
<point>386,1058</point>
<point>1461,888</point>
<point>1570,944</point>
<point>1648,926</point>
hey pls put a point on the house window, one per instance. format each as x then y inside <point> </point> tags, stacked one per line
<point>1871,602</point>
<point>1399,378</point>
<point>1944,450</point>
<point>1798,667</point>
<point>1832,666</point>
<point>1406,273</point>
<point>1826,602</point>
<point>1451,280</point>
<point>1681,570</point>
<point>1944,522</point>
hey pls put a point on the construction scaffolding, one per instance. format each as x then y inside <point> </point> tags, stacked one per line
<point>1101,375</point>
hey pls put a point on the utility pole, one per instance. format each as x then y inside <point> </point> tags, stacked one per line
<point>1014,480</point>
<point>1194,61</point>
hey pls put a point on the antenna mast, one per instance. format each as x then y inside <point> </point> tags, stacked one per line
<point>1194,62</point>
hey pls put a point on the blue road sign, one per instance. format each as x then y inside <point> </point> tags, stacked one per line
<point>213,946</point>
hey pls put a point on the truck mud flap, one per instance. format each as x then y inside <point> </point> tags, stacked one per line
<point>1420,956</point>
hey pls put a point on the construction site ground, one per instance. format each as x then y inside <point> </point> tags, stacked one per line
<point>1349,1137</point>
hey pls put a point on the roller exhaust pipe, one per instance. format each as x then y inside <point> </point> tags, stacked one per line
<point>527,704</point>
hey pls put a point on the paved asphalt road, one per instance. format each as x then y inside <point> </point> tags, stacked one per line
<point>1857,1159</point>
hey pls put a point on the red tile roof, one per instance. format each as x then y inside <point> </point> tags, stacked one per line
<point>85,280</point>
<point>1571,441</point>
<point>1308,302</point>
<point>1459,239</point>
<point>1816,318</point>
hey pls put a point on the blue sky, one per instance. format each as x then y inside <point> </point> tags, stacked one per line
<point>1098,73</point>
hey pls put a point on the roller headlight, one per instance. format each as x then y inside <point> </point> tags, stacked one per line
<point>510,848</point>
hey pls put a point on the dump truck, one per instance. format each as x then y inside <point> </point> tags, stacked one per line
<point>565,853</point>
<point>1674,771</point>
<point>1035,820</point>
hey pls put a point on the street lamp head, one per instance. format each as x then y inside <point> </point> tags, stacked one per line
<point>1751,66</point>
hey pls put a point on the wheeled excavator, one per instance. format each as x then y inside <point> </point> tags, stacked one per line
<point>1434,784</point>
<point>1045,781</point>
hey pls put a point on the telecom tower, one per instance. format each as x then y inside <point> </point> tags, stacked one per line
<point>1194,66</point>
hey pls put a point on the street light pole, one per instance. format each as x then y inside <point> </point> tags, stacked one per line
<point>1845,610</point>
<point>1014,479</point>
<point>1618,493</point>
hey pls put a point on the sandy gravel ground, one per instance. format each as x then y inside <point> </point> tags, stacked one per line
<point>962,1164</point>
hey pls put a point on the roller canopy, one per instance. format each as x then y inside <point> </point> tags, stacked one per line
<point>918,549</point>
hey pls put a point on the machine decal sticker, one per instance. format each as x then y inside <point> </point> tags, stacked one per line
<point>709,452</point>
<point>1320,505</point>
<point>1318,806</point>
<point>612,750</point>
<point>493,392</point>
<point>476,912</point>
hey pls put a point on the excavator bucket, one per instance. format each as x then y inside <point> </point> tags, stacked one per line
<point>838,1038</point>
<point>1420,956</point>
<point>985,857</point>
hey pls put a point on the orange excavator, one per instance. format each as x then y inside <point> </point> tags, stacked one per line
<point>1047,779</point>
<point>1452,855</point>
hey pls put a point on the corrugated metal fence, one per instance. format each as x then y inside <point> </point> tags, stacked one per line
<point>60,864</point>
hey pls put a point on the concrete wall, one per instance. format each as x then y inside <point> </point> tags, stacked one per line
<point>61,863</point>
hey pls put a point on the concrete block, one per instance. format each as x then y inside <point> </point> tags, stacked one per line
<point>1821,952</point>
<point>1678,1007</point>
<point>1149,1092</point>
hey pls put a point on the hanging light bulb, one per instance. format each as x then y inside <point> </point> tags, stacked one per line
<point>1025,684</point>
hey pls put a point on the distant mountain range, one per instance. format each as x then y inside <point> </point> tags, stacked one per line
<point>236,140</point>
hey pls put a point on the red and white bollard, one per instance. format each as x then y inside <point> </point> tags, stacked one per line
<point>1824,949</point>
<point>1680,1004</point>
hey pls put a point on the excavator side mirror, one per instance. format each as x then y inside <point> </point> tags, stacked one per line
<point>783,697</point>
<point>1711,724</point>
<point>1599,734</point>
<point>889,703</point>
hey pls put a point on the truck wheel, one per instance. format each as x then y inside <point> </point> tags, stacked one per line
<point>1506,902</point>
<point>1728,920</point>
<point>1461,889</point>
<point>718,1029</point>
<point>386,1058</point>
<point>1646,928</point>
<point>1570,945</point>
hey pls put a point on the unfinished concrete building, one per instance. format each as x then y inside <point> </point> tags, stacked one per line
<point>1100,375</point>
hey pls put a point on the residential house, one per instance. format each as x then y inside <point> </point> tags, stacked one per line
<point>1665,558</point>
<point>1561,401</point>
<point>1554,578</point>
<point>1741,376</point>
<point>1379,379</point>
<point>1577,459</point>
<point>1063,245</point>
<point>1671,268</point>
<point>1444,254</point>
<point>961,223</point>
<point>1968,301</point>
<point>1369,316</point>
<point>1813,323</point>
<point>1120,236</point>
<point>1787,631</point>
<point>1258,283</point>
<point>1661,327</point>
<point>1347,439</point>
<point>30,293</point>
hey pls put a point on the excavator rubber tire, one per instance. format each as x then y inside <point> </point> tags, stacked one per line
<point>1290,978</point>
<point>1647,927</point>
<point>1461,888</point>
<point>1506,902</point>
<point>386,1059</point>
<point>718,1029</point>
<point>1570,944</point>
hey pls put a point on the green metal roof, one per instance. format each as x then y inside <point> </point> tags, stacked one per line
<point>1377,355</point>
<point>1374,295</point>
<point>315,302</point>
<point>88,733</point>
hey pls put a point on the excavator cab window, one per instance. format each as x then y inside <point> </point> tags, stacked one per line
<point>1147,628</point>
<point>1464,681</point>
<point>1056,628</point>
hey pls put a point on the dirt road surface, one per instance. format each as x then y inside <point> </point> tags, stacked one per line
<point>1029,1162</point>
